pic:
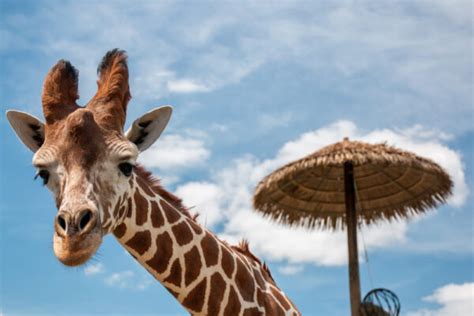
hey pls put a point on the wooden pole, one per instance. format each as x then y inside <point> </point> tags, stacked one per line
<point>351,222</point>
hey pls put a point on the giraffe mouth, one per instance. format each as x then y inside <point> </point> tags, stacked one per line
<point>76,250</point>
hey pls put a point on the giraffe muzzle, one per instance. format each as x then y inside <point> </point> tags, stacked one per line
<point>69,225</point>
<point>77,236</point>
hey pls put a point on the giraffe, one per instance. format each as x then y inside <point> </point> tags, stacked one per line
<point>90,165</point>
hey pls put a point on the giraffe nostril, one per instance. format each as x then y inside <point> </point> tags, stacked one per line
<point>85,219</point>
<point>61,222</point>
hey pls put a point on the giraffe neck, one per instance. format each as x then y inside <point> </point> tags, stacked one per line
<point>206,275</point>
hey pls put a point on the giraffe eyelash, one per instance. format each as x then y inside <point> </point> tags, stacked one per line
<point>43,174</point>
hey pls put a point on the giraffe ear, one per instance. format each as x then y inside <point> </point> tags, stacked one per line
<point>28,128</point>
<point>148,128</point>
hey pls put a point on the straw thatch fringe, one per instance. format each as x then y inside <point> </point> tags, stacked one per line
<point>391,184</point>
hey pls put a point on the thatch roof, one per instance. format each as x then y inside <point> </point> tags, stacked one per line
<point>390,184</point>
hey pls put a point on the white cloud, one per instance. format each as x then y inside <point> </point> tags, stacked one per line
<point>168,179</point>
<point>175,151</point>
<point>119,279</point>
<point>455,300</point>
<point>186,86</point>
<point>291,269</point>
<point>270,121</point>
<point>127,280</point>
<point>233,187</point>
<point>203,197</point>
<point>219,127</point>
<point>95,268</point>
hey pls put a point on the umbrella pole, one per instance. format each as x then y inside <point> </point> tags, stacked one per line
<point>351,222</point>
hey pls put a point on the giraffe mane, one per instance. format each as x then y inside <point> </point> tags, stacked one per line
<point>244,249</point>
<point>155,185</point>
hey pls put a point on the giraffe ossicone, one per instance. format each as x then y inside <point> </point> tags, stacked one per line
<point>90,165</point>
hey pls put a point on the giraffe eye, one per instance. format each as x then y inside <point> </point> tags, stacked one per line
<point>43,174</point>
<point>126,168</point>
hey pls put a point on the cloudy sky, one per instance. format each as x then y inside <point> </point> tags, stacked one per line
<point>254,85</point>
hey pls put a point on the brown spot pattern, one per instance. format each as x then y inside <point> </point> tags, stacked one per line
<point>192,262</point>
<point>182,233</point>
<point>171,214</point>
<point>175,274</point>
<point>195,227</point>
<point>266,274</point>
<point>140,242</point>
<point>227,262</point>
<point>244,282</point>
<point>259,279</point>
<point>210,248</point>
<point>195,298</point>
<point>141,215</point>
<point>120,230</point>
<point>280,299</point>
<point>157,219</point>
<point>260,297</point>
<point>233,304</point>
<point>217,294</point>
<point>141,208</point>
<point>252,312</point>
<point>271,307</point>
<point>163,254</point>
<point>145,187</point>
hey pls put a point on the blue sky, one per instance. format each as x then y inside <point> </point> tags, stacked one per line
<point>254,85</point>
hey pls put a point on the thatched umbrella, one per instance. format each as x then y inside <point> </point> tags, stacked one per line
<point>350,183</point>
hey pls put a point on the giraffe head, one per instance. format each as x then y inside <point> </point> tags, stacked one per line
<point>82,154</point>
